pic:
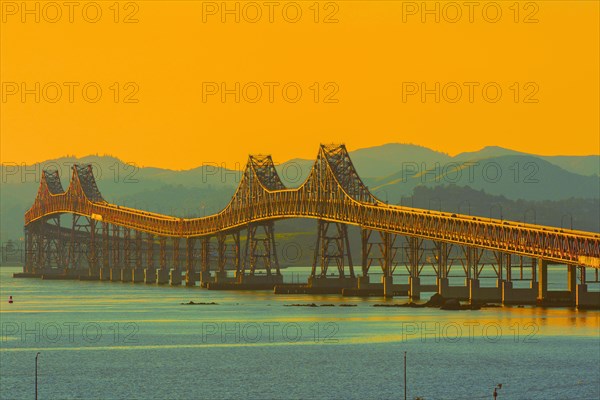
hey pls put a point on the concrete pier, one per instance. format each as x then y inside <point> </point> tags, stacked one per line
<point>93,273</point>
<point>246,282</point>
<point>572,280</point>
<point>205,278</point>
<point>365,288</point>
<point>137,275</point>
<point>220,276</point>
<point>586,300</point>
<point>452,292</point>
<point>162,276</point>
<point>150,275</point>
<point>388,286</point>
<point>104,274</point>
<point>364,283</point>
<point>478,294</point>
<point>428,288</point>
<point>190,278</point>
<point>115,274</point>
<point>175,277</point>
<point>261,279</point>
<point>414,288</point>
<point>333,282</point>
<point>126,274</point>
<point>542,276</point>
<point>519,296</point>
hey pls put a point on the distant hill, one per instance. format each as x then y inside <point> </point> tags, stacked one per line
<point>512,176</point>
<point>390,158</point>
<point>582,165</point>
<point>486,152</point>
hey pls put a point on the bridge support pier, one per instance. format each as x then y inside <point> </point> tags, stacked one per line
<point>205,276</point>
<point>414,287</point>
<point>542,275</point>
<point>442,285</point>
<point>115,274</point>
<point>93,272</point>
<point>452,292</point>
<point>175,277</point>
<point>334,248</point>
<point>363,282</point>
<point>259,249</point>
<point>162,276</point>
<point>190,271</point>
<point>150,275</point>
<point>388,286</point>
<point>126,274</point>
<point>220,276</point>
<point>380,252</point>
<point>414,255</point>
<point>149,271</point>
<point>104,274</point>
<point>572,281</point>
<point>521,296</point>
<point>586,300</point>
<point>137,275</point>
<point>478,295</point>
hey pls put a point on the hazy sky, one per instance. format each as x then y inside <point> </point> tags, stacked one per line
<point>180,87</point>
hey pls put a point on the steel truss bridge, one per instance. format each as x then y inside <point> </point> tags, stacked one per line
<point>112,242</point>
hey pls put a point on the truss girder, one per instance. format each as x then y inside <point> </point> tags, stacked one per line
<point>334,192</point>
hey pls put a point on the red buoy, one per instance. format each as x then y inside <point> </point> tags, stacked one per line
<point>10,300</point>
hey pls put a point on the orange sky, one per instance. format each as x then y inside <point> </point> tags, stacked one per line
<point>373,57</point>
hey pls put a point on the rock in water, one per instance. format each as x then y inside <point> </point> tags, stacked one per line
<point>435,301</point>
<point>450,304</point>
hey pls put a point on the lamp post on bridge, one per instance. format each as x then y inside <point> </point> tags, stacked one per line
<point>496,205</point>
<point>384,192</point>
<point>566,215</point>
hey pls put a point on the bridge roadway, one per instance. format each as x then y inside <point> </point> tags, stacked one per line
<point>333,193</point>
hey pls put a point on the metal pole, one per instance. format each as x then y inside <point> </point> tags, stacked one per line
<point>36,375</point>
<point>404,375</point>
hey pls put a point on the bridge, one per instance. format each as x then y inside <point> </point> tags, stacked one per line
<point>109,242</point>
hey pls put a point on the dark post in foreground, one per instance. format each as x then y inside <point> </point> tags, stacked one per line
<point>36,373</point>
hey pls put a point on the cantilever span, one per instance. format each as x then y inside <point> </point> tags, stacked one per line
<point>332,192</point>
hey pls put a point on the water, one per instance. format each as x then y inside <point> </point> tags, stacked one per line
<point>134,341</point>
